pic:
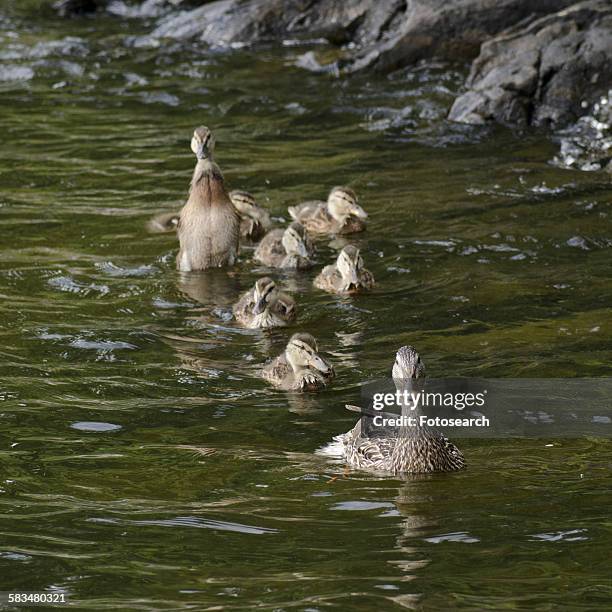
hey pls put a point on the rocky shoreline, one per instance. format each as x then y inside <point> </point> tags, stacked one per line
<point>533,63</point>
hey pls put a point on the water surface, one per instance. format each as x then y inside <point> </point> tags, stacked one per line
<point>145,466</point>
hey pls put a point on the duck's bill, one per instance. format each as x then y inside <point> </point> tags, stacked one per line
<point>358,211</point>
<point>302,250</point>
<point>320,364</point>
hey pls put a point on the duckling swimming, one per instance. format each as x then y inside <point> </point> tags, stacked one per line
<point>254,219</point>
<point>341,214</point>
<point>413,449</point>
<point>300,367</point>
<point>346,275</point>
<point>288,248</point>
<point>209,226</point>
<point>265,306</point>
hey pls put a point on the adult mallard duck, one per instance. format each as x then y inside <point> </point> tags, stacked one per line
<point>299,367</point>
<point>346,275</point>
<point>209,226</point>
<point>341,214</point>
<point>410,449</point>
<point>265,306</point>
<point>254,219</point>
<point>286,248</point>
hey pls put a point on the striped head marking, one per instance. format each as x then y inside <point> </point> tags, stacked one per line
<point>342,203</point>
<point>407,364</point>
<point>243,202</point>
<point>302,352</point>
<point>203,143</point>
<point>296,241</point>
<point>264,293</point>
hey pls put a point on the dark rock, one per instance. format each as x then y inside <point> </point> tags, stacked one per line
<point>542,73</point>
<point>67,8</point>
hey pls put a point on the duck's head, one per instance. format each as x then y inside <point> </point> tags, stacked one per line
<point>296,241</point>
<point>342,203</point>
<point>407,365</point>
<point>244,202</point>
<point>265,291</point>
<point>302,352</point>
<point>203,143</point>
<point>349,264</point>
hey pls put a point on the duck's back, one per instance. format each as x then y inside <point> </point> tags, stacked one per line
<point>208,228</point>
<point>312,215</point>
<point>270,250</point>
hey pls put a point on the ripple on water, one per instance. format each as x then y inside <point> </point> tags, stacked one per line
<point>95,426</point>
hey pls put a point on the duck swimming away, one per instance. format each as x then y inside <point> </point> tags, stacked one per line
<point>299,367</point>
<point>346,275</point>
<point>341,214</point>
<point>289,248</point>
<point>265,306</point>
<point>209,226</point>
<point>412,449</point>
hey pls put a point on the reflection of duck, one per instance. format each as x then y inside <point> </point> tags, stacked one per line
<point>288,248</point>
<point>413,449</point>
<point>341,214</point>
<point>254,219</point>
<point>213,288</point>
<point>299,367</point>
<point>265,306</point>
<point>208,226</point>
<point>346,275</point>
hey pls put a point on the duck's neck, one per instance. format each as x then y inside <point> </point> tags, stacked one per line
<point>205,169</point>
<point>207,182</point>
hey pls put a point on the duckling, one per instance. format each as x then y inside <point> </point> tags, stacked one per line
<point>413,449</point>
<point>265,306</point>
<point>254,220</point>
<point>164,222</point>
<point>341,214</point>
<point>209,225</point>
<point>300,367</point>
<point>288,248</point>
<point>347,275</point>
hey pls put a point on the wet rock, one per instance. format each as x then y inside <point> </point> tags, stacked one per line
<point>587,144</point>
<point>231,22</point>
<point>541,73</point>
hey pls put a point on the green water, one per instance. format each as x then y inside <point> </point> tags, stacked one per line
<point>200,487</point>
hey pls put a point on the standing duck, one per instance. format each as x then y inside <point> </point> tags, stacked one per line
<point>289,248</point>
<point>208,227</point>
<point>265,306</point>
<point>254,219</point>
<point>412,449</point>
<point>346,275</point>
<point>341,214</point>
<point>299,367</point>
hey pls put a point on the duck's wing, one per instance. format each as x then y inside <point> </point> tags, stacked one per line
<point>306,210</point>
<point>285,307</point>
<point>277,371</point>
<point>271,247</point>
<point>366,278</point>
<point>246,302</point>
<point>164,222</point>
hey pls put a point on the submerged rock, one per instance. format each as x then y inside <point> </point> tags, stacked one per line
<point>542,73</point>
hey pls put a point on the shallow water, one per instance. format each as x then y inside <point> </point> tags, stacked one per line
<point>145,466</point>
